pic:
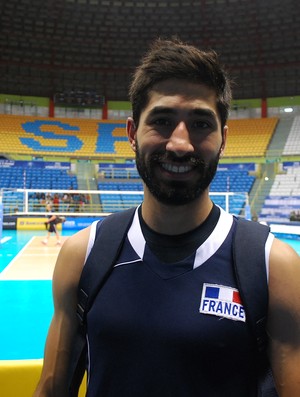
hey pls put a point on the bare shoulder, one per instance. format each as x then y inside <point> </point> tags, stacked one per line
<point>76,244</point>
<point>71,260</point>
<point>284,291</point>
<point>284,318</point>
<point>284,261</point>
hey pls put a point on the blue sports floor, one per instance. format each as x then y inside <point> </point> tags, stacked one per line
<point>26,303</point>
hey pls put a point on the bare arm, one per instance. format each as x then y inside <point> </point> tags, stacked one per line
<point>53,217</point>
<point>58,348</point>
<point>284,318</point>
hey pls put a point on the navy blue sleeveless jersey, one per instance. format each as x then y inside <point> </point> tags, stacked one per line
<point>171,329</point>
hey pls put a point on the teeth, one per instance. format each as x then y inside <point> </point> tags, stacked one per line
<point>178,169</point>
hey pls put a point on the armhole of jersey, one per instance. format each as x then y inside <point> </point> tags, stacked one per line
<point>267,252</point>
<point>91,239</point>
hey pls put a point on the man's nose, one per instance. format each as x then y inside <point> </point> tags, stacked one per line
<point>179,141</point>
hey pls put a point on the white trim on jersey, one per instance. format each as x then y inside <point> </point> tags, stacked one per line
<point>136,237</point>
<point>91,239</point>
<point>203,253</point>
<point>215,240</point>
<point>269,242</point>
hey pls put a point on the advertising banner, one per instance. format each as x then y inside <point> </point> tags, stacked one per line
<point>33,224</point>
<point>78,223</point>
<point>9,222</point>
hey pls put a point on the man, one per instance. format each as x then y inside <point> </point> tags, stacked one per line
<point>148,331</point>
<point>51,226</point>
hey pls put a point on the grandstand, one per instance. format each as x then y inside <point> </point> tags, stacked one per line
<point>242,172</point>
<point>90,139</point>
<point>292,145</point>
<point>283,200</point>
<point>75,138</point>
<point>118,187</point>
<point>250,137</point>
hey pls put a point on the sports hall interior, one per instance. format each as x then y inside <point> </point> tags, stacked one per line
<point>65,68</point>
<point>66,154</point>
<point>90,160</point>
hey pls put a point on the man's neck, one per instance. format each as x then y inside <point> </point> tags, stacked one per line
<point>167,219</point>
<point>174,248</point>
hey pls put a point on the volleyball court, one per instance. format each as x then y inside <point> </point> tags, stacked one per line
<point>35,261</point>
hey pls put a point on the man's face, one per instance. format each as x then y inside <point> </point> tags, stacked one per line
<point>178,141</point>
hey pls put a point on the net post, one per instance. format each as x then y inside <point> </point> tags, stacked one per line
<point>1,216</point>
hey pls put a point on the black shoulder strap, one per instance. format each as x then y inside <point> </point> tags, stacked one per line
<point>109,242</point>
<point>250,269</point>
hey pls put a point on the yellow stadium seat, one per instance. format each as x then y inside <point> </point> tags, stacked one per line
<point>246,137</point>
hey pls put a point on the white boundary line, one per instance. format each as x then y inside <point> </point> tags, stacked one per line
<point>5,239</point>
<point>13,260</point>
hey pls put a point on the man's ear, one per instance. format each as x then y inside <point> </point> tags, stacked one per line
<point>224,138</point>
<point>131,132</point>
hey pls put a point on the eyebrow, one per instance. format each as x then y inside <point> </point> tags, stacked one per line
<point>166,110</point>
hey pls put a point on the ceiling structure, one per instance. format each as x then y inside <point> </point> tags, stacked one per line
<point>50,46</point>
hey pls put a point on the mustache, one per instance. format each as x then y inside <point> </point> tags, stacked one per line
<point>170,156</point>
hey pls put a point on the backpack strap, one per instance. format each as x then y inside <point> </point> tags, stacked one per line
<point>109,241</point>
<point>250,270</point>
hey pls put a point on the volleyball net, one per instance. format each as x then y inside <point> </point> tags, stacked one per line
<point>95,203</point>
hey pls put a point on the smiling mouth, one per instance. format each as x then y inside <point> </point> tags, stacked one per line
<point>176,169</point>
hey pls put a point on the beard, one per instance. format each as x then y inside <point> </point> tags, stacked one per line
<point>175,192</point>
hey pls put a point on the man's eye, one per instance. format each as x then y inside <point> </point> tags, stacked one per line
<point>201,124</point>
<point>162,122</point>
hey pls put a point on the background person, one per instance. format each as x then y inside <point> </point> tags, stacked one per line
<point>51,226</point>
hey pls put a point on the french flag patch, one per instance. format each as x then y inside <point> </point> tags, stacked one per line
<point>222,301</point>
